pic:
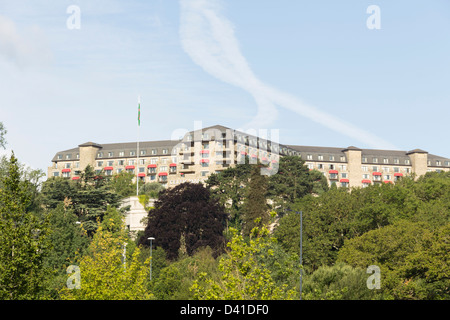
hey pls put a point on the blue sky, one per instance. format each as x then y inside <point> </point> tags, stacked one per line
<point>311,69</point>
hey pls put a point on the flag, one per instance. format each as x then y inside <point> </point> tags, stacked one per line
<point>139,114</point>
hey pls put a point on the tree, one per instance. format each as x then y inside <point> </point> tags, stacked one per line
<point>89,197</point>
<point>23,239</point>
<point>244,274</point>
<point>3,132</point>
<point>151,189</point>
<point>104,276</point>
<point>255,206</point>
<point>337,282</point>
<point>185,211</point>
<point>229,187</point>
<point>413,259</point>
<point>68,242</point>
<point>122,184</point>
<point>293,181</point>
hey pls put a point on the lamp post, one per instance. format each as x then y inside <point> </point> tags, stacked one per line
<point>151,259</point>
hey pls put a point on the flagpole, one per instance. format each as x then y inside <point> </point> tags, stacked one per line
<point>137,153</point>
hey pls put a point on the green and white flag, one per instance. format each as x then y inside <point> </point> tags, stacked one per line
<point>139,113</point>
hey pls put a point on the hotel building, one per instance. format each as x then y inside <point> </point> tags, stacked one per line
<point>211,150</point>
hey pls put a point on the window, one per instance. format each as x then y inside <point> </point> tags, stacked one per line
<point>320,166</point>
<point>333,176</point>
<point>342,159</point>
<point>385,160</point>
<point>110,163</point>
<point>141,161</point>
<point>407,170</point>
<point>66,174</point>
<point>163,168</point>
<point>189,138</point>
<point>374,168</point>
<point>165,151</point>
<point>331,166</point>
<point>153,151</point>
<point>67,156</point>
<point>331,158</point>
<point>438,162</point>
<point>344,184</point>
<point>141,169</point>
<point>320,157</point>
<point>56,174</point>
<point>447,163</point>
<point>59,156</point>
<point>365,168</point>
<point>344,175</point>
<point>386,169</point>
<point>99,163</point>
<point>396,169</point>
<point>396,161</point>
<point>119,170</point>
<point>309,157</point>
<point>67,165</point>
<point>77,164</point>
<point>152,178</point>
<point>100,155</point>
<point>163,160</point>
<point>151,170</point>
<point>78,156</point>
<point>121,153</point>
<point>365,176</point>
<point>131,162</point>
<point>153,160</point>
<point>121,162</point>
<point>204,173</point>
<point>173,169</point>
<point>143,152</point>
<point>375,160</point>
<point>364,159</point>
<point>205,164</point>
<point>387,177</point>
<point>310,166</point>
<point>110,154</point>
<point>407,161</point>
<point>343,167</point>
<point>132,153</point>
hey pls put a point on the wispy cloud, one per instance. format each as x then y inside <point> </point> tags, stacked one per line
<point>208,38</point>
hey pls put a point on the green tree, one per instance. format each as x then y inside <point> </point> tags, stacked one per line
<point>89,197</point>
<point>151,189</point>
<point>105,276</point>
<point>294,180</point>
<point>122,184</point>
<point>244,274</point>
<point>337,282</point>
<point>413,259</point>
<point>229,188</point>
<point>255,207</point>
<point>3,132</point>
<point>23,239</point>
<point>68,242</point>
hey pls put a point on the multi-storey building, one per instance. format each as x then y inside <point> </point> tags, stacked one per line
<point>210,150</point>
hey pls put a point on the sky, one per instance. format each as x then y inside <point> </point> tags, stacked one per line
<point>321,73</point>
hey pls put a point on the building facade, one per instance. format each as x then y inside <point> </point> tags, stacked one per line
<point>211,150</point>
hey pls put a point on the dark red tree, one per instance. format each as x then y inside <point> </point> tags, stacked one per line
<point>186,210</point>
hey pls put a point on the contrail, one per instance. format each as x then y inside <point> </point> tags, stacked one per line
<point>208,38</point>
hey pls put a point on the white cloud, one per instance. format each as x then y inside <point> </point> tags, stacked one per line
<point>208,38</point>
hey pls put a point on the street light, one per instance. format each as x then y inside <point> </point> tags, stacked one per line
<point>151,259</point>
